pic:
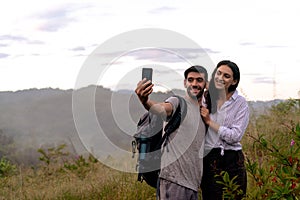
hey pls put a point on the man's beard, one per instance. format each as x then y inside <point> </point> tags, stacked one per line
<point>199,95</point>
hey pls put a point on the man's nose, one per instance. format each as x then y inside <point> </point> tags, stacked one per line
<point>195,82</point>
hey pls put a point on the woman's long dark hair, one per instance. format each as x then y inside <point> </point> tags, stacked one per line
<point>213,94</point>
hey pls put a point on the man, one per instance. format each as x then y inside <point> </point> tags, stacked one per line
<point>181,161</point>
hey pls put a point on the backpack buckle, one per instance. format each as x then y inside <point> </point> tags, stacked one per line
<point>133,146</point>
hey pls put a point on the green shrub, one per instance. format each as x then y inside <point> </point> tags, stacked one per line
<point>80,166</point>
<point>231,189</point>
<point>273,159</point>
<point>6,168</point>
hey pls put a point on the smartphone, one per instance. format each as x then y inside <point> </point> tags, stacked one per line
<point>147,73</point>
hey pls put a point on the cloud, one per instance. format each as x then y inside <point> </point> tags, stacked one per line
<point>247,44</point>
<point>167,55</point>
<point>259,78</point>
<point>13,38</point>
<point>3,55</point>
<point>162,10</point>
<point>3,45</point>
<point>274,46</point>
<point>16,38</point>
<point>35,42</point>
<point>171,55</point>
<point>81,55</point>
<point>79,48</point>
<point>252,74</point>
<point>261,46</point>
<point>54,25</point>
<point>36,54</point>
<point>265,80</point>
<point>167,71</point>
<point>59,17</point>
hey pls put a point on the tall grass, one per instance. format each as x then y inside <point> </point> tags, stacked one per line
<point>271,145</point>
<point>272,148</point>
<point>99,182</point>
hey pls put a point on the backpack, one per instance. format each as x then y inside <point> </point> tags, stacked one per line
<point>149,139</point>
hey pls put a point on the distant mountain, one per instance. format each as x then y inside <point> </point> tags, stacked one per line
<point>261,107</point>
<point>38,117</point>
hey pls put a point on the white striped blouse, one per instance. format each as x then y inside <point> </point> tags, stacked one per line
<point>233,118</point>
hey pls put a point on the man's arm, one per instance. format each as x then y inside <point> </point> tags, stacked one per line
<point>143,90</point>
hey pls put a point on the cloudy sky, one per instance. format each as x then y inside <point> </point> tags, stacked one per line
<point>46,43</point>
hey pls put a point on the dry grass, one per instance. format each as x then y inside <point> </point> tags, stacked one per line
<point>97,181</point>
<point>100,182</point>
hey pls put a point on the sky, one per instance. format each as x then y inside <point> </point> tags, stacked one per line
<point>46,43</point>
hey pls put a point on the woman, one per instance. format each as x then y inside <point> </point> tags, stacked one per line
<point>227,117</point>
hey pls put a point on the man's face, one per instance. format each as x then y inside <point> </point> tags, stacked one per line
<point>195,84</point>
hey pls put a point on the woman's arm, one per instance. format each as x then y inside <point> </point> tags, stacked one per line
<point>207,120</point>
<point>234,125</point>
<point>237,124</point>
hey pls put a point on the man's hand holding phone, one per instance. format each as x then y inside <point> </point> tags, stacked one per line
<point>145,87</point>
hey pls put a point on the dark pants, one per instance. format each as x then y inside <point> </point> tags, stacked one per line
<point>213,164</point>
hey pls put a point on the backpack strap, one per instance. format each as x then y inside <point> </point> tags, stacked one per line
<point>175,120</point>
<point>177,117</point>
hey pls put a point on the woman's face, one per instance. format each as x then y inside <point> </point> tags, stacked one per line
<point>224,78</point>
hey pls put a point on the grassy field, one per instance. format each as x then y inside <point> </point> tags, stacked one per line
<point>87,180</point>
<point>271,146</point>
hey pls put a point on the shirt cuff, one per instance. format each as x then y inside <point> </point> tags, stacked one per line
<point>221,131</point>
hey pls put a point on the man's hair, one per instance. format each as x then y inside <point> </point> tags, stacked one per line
<point>197,69</point>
